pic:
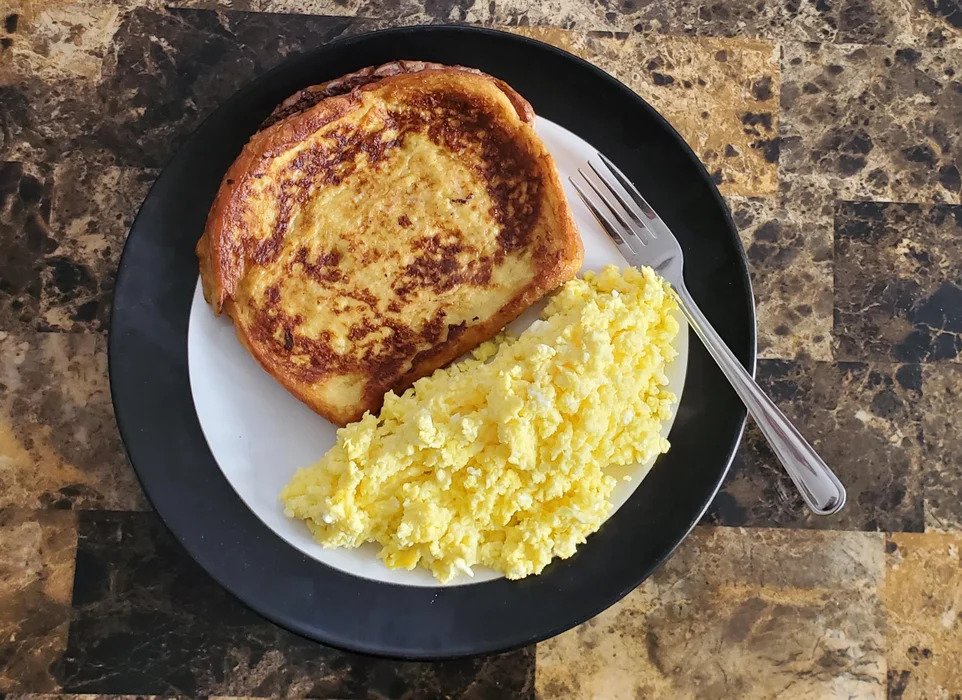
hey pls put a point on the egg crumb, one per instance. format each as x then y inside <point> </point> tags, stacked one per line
<point>503,459</point>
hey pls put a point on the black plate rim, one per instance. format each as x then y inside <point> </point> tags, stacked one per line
<point>400,651</point>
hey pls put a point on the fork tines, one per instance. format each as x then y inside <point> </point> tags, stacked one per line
<point>616,203</point>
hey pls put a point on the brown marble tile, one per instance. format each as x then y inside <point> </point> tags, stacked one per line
<point>735,613</point>
<point>788,240</point>
<point>717,18</point>
<point>25,194</point>
<point>52,55</point>
<point>894,22</point>
<point>942,425</point>
<point>874,122</point>
<point>27,134</point>
<point>398,11</point>
<point>165,70</point>
<point>189,62</point>
<point>922,597</point>
<point>898,282</point>
<point>720,94</point>
<point>81,696</point>
<point>36,575</point>
<point>59,445</point>
<point>864,420</point>
<point>26,103</point>
<point>62,38</point>
<point>93,207</point>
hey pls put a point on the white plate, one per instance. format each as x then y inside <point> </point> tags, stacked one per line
<point>260,443</point>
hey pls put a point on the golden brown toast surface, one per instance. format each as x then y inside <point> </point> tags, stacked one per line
<point>366,237</point>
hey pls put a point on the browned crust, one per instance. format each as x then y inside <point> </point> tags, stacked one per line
<point>310,96</point>
<point>223,260</point>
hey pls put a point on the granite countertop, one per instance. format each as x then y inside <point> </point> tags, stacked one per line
<point>834,129</point>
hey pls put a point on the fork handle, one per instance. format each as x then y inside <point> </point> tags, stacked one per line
<point>819,487</point>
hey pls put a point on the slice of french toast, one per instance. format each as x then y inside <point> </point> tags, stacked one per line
<point>381,225</point>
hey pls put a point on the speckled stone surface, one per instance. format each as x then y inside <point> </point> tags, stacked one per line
<point>898,281</point>
<point>25,194</point>
<point>59,446</point>
<point>832,127</point>
<point>721,94</point>
<point>94,206</point>
<point>736,613</point>
<point>874,122</point>
<point>195,60</point>
<point>37,553</point>
<point>922,596</point>
<point>788,239</point>
<point>910,22</point>
<point>942,426</point>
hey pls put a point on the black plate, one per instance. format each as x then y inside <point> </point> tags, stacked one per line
<point>155,411</point>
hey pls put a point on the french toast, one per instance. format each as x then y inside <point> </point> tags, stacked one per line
<point>379,226</point>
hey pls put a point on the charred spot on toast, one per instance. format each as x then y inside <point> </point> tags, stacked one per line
<point>444,262</point>
<point>363,296</point>
<point>382,359</point>
<point>323,268</point>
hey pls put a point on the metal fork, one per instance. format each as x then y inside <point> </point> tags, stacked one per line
<point>644,239</point>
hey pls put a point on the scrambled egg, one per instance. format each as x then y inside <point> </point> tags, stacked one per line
<point>503,459</point>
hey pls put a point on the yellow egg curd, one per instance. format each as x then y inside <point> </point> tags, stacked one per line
<point>505,459</point>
